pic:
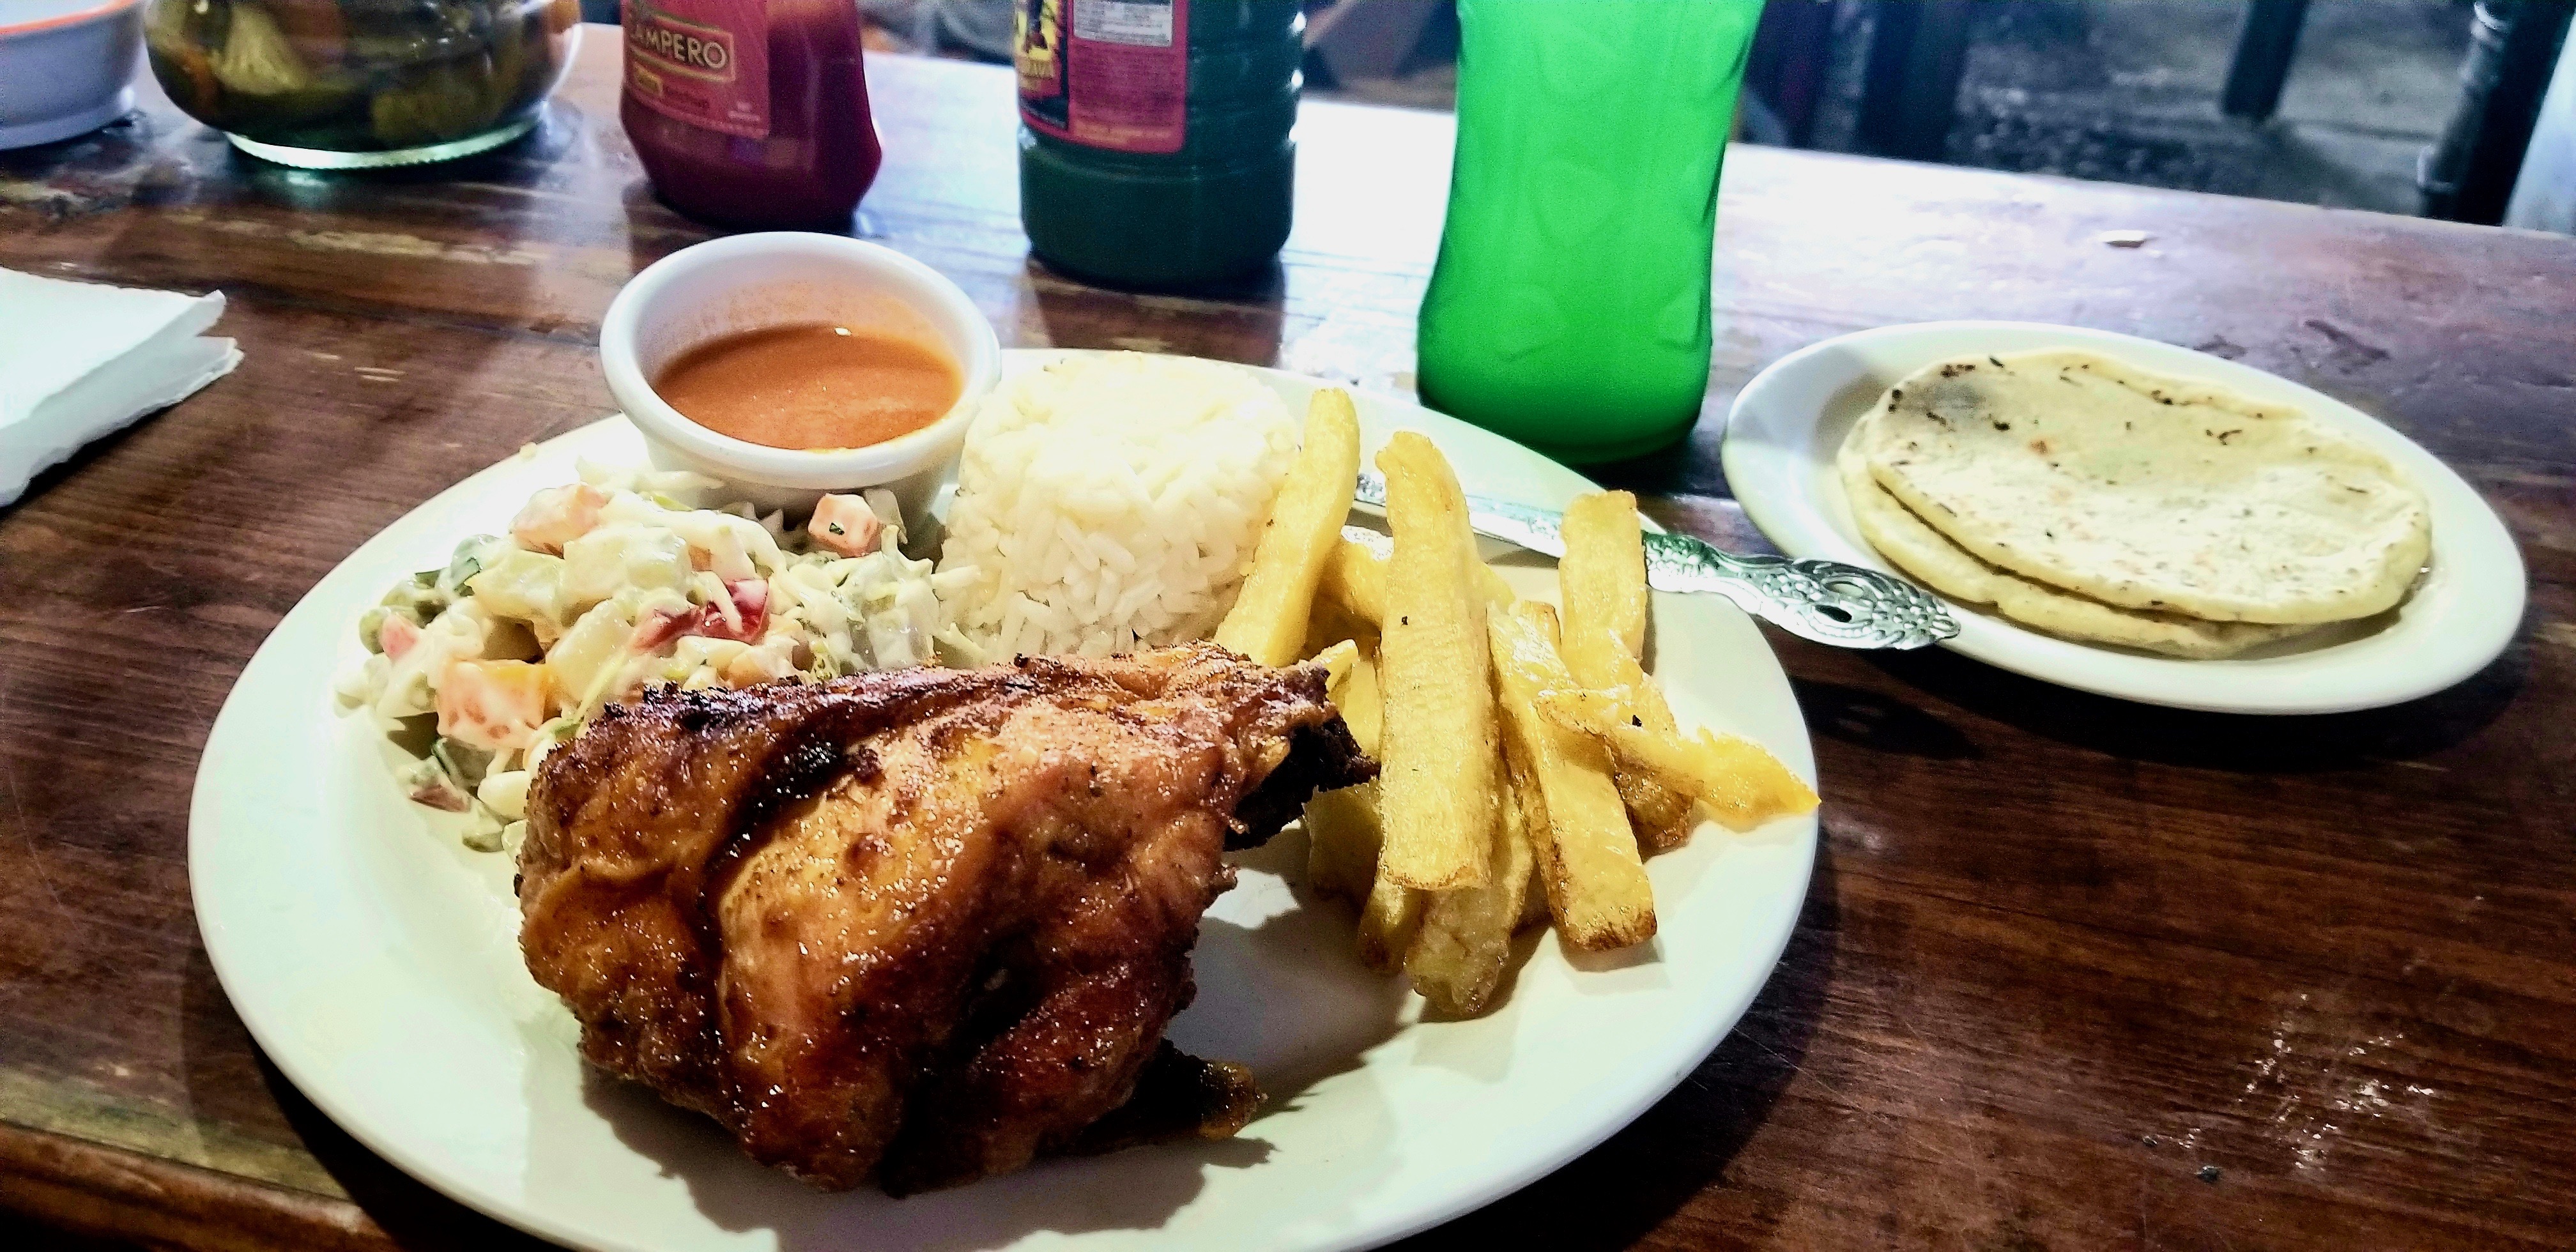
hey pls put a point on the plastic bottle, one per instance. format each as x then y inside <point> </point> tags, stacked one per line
<point>1154,136</point>
<point>751,113</point>
<point>1569,308</point>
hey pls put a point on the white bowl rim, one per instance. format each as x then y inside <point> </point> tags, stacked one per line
<point>800,469</point>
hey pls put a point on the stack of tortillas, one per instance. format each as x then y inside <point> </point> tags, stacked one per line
<point>2102,503</point>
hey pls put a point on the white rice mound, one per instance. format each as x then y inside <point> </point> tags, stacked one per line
<point>1112,502</point>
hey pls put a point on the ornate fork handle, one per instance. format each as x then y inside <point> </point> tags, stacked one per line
<point>1829,602</point>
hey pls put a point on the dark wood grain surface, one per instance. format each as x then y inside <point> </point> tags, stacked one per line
<point>2072,973</point>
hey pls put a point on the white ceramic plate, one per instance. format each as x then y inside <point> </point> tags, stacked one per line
<point>1779,456</point>
<point>376,961</point>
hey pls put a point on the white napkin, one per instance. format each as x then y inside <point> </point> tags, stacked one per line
<point>78,360</point>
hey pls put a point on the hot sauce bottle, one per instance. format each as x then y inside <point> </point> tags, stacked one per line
<point>751,113</point>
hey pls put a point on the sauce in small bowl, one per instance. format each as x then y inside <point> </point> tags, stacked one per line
<point>790,364</point>
<point>811,386</point>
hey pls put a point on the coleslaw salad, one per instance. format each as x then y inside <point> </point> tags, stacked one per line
<point>623,580</point>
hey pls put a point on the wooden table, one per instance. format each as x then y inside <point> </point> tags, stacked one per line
<point>2072,973</point>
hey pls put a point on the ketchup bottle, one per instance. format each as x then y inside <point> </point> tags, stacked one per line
<point>751,113</point>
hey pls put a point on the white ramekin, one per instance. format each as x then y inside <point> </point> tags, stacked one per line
<point>748,282</point>
<point>66,67</point>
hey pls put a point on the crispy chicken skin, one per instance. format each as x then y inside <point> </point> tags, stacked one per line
<point>918,925</point>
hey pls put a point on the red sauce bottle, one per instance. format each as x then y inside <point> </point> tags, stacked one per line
<point>751,113</point>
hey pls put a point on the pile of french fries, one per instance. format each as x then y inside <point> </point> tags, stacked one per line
<point>1529,763</point>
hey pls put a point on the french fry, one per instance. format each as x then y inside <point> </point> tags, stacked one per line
<point>1742,784</point>
<point>1342,837</point>
<point>1533,901</point>
<point>1457,957</point>
<point>1268,619</point>
<point>1664,818</point>
<point>1533,810</point>
<point>1355,577</point>
<point>1328,623</point>
<point>1602,579</point>
<point>1587,855</point>
<point>1439,747</point>
<point>1388,921</point>
<point>1342,832</point>
<point>1338,661</point>
<point>1762,787</point>
<point>1603,572</point>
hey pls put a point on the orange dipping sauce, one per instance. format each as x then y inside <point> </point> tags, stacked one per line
<point>813,386</point>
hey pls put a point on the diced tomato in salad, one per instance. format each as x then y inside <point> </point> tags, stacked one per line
<point>397,636</point>
<point>493,705</point>
<point>750,598</point>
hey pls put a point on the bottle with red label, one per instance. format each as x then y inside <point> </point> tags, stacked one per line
<point>751,113</point>
<point>1154,137</point>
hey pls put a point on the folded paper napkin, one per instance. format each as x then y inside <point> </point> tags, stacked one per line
<point>78,360</point>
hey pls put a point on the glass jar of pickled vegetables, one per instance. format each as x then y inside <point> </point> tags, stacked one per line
<point>347,84</point>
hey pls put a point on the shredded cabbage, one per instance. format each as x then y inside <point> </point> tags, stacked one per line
<point>666,586</point>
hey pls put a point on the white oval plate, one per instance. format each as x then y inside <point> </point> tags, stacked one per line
<point>1788,422</point>
<point>376,960</point>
